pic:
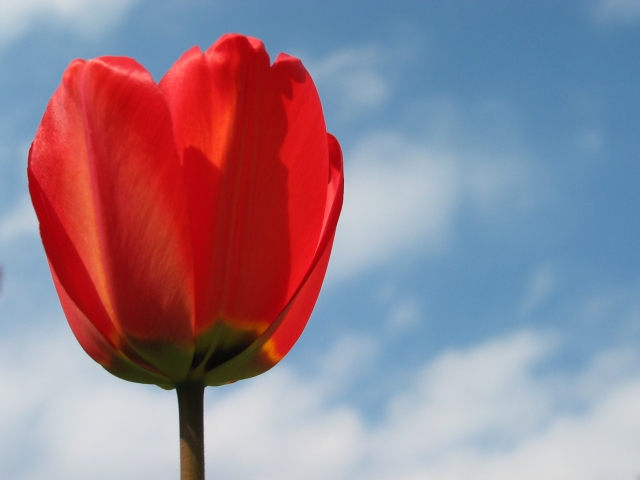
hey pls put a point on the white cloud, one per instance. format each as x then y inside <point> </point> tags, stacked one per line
<point>350,357</point>
<point>403,196</point>
<point>481,413</point>
<point>88,17</point>
<point>19,221</point>
<point>405,314</point>
<point>541,284</point>
<point>282,429</point>
<point>486,412</point>
<point>622,11</point>
<point>397,196</point>
<point>72,420</point>
<point>354,76</point>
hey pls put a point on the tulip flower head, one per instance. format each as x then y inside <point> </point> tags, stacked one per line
<point>188,224</point>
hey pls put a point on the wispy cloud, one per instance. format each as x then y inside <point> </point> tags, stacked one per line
<point>541,284</point>
<point>619,11</point>
<point>405,315</point>
<point>87,17</point>
<point>398,196</point>
<point>20,220</point>
<point>353,79</point>
<point>404,196</point>
<point>476,413</point>
<point>484,412</point>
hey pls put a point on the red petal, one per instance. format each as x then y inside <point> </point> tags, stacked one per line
<point>107,169</point>
<point>253,142</point>
<point>278,339</point>
<point>102,350</point>
<point>288,332</point>
<point>67,267</point>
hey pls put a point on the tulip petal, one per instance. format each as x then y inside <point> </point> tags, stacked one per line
<point>280,337</point>
<point>254,148</point>
<point>291,327</point>
<point>103,351</point>
<point>70,270</point>
<point>107,170</point>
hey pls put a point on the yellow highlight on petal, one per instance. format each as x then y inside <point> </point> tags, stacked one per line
<point>270,351</point>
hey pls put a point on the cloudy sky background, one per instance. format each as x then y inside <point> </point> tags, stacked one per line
<point>481,314</point>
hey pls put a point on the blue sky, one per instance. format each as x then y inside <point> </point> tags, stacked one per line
<point>481,313</point>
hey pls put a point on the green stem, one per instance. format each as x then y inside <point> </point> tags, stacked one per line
<point>190,406</point>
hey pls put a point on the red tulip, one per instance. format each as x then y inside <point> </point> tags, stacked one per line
<point>188,224</point>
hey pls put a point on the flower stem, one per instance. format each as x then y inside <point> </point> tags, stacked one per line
<point>190,406</point>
